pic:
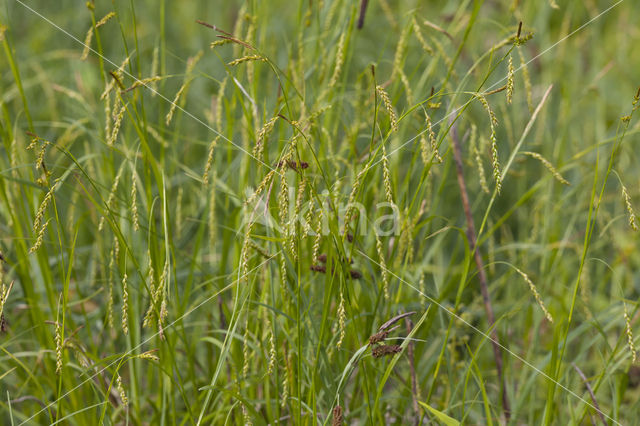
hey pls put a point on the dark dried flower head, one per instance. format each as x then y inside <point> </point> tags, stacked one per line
<point>394,320</point>
<point>293,165</point>
<point>322,258</point>
<point>378,337</point>
<point>356,275</point>
<point>3,324</point>
<point>319,268</point>
<point>337,416</point>
<point>350,238</point>
<point>384,350</point>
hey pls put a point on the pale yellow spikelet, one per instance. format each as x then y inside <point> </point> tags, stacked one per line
<point>148,318</point>
<point>4,295</point>
<point>272,348</point>
<point>302,186</point>
<point>341,321</point>
<point>149,355</point>
<point>263,134</point>
<point>331,12</point>
<point>527,80</point>
<point>247,58</point>
<point>246,417</point>
<point>510,73</point>
<point>59,341</point>
<point>418,32</point>
<point>388,13</point>
<point>89,36</point>
<point>386,176</point>
<point>245,251</point>
<point>37,222</point>
<point>352,196</point>
<point>40,237</point>
<point>245,349</point>
<point>112,82</point>
<point>134,201</point>
<point>209,163</point>
<point>283,275</point>
<point>212,213</point>
<point>386,101</point>
<point>443,53</point>
<point>154,71</point>
<point>283,201</point>
<point>424,149</point>
<point>629,207</point>
<point>286,380</point>
<point>110,301</point>
<point>383,268</point>
<point>536,295</point>
<point>475,150</point>
<point>432,138</point>
<point>107,115</point>
<point>308,218</point>
<point>263,184</point>
<point>112,195</point>
<point>87,44</point>
<point>629,331</point>
<point>125,305</point>
<point>410,224</point>
<point>162,289</point>
<point>219,102</point>
<point>191,63</point>
<point>174,104</point>
<point>14,157</point>
<point>407,85</point>
<point>157,136</point>
<point>318,237</point>
<point>39,228</point>
<point>493,121</point>
<point>145,82</point>
<point>120,388</point>
<point>339,61</point>
<point>401,50</point>
<point>105,19</point>
<point>217,43</point>
<point>549,166</point>
<point>117,122</point>
<point>179,205</point>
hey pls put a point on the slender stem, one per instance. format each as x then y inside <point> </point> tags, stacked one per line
<point>484,288</point>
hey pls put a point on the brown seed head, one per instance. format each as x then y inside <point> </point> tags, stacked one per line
<point>384,350</point>
<point>337,416</point>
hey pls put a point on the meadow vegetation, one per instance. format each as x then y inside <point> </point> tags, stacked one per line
<point>267,212</point>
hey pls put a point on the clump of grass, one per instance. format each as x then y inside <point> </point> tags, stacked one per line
<point>272,315</point>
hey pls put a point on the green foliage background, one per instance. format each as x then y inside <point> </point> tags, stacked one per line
<point>241,328</point>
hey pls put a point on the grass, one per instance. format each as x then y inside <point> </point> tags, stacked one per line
<point>272,215</point>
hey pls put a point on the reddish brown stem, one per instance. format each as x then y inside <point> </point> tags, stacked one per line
<point>482,277</point>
